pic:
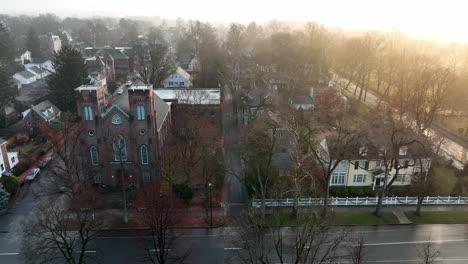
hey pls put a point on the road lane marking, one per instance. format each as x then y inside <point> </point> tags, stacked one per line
<point>416,242</point>
<point>8,254</point>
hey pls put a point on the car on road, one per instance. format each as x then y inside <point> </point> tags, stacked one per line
<point>129,83</point>
<point>44,162</point>
<point>32,174</point>
<point>120,91</point>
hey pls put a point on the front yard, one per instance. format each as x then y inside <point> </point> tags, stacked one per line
<point>362,218</point>
<point>443,217</point>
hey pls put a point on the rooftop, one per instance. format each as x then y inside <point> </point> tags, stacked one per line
<point>190,96</point>
<point>87,88</point>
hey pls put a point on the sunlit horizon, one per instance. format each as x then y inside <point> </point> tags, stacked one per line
<point>428,19</point>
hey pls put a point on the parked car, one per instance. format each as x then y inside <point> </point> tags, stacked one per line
<point>44,162</point>
<point>32,174</point>
<point>120,91</point>
<point>129,83</point>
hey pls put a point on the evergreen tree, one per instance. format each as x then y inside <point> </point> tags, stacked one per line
<point>32,43</point>
<point>4,196</point>
<point>7,47</point>
<point>8,91</point>
<point>70,73</point>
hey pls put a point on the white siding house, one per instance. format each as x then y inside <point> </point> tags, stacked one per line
<point>180,78</point>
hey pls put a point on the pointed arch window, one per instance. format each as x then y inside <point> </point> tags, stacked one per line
<point>93,153</point>
<point>144,154</point>
<point>120,149</point>
<point>140,112</point>
<point>116,120</point>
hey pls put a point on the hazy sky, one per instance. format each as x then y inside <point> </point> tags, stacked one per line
<point>443,18</point>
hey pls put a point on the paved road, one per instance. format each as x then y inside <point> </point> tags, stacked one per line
<point>234,188</point>
<point>449,148</point>
<point>384,244</point>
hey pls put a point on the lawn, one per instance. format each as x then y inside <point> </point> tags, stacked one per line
<point>362,218</point>
<point>338,218</point>
<point>447,217</point>
<point>23,148</point>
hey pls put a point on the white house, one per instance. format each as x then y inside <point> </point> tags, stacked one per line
<point>25,77</point>
<point>180,78</point>
<point>8,160</point>
<point>26,56</point>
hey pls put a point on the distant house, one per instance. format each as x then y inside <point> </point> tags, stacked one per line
<point>23,58</point>
<point>24,77</point>
<point>42,113</point>
<point>45,66</point>
<point>192,65</point>
<point>114,62</point>
<point>331,100</point>
<point>50,44</point>
<point>8,160</point>
<point>179,79</point>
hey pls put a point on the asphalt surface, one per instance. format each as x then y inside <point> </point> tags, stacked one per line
<point>234,188</point>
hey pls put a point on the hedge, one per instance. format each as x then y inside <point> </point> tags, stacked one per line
<point>351,191</point>
<point>11,183</point>
<point>183,190</point>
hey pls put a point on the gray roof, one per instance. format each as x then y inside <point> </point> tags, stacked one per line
<point>46,110</point>
<point>35,69</point>
<point>162,109</point>
<point>26,74</point>
<point>2,141</point>
<point>183,73</point>
<point>302,100</point>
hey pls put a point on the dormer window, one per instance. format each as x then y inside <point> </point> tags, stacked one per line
<point>404,151</point>
<point>363,151</point>
<point>116,120</point>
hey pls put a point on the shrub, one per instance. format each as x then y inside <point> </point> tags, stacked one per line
<point>4,196</point>
<point>183,190</point>
<point>11,183</point>
<point>338,191</point>
<point>21,167</point>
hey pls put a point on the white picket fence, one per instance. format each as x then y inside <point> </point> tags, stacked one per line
<point>363,201</point>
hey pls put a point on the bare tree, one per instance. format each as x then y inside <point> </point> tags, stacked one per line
<point>160,211</point>
<point>155,63</point>
<point>62,230</point>
<point>428,253</point>
<point>308,241</point>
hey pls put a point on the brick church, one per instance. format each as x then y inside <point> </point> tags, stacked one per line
<point>126,137</point>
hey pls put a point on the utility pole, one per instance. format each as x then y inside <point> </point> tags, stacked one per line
<point>211,205</point>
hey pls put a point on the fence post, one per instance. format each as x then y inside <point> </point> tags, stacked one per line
<point>310,201</point>
<point>346,203</point>
<point>356,201</point>
<point>438,199</point>
<point>427,199</point>
<point>459,199</point>
<point>448,200</point>
<point>367,199</point>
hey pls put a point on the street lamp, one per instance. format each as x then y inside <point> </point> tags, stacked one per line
<point>211,205</point>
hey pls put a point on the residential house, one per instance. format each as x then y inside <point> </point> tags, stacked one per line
<point>8,160</point>
<point>40,114</point>
<point>24,58</point>
<point>178,79</point>
<point>50,44</point>
<point>24,77</point>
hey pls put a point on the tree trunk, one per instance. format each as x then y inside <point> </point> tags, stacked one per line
<point>325,202</point>
<point>125,209</point>
<point>418,206</point>
<point>379,203</point>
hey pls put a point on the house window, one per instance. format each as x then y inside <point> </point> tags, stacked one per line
<point>146,176</point>
<point>140,112</point>
<point>13,160</point>
<point>400,178</point>
<point>403,150</point>
<point>97,177</point>
<point>379,164</point>
<point>356,164</point>
<point>93,153</point>
<point>120,149</point>
<point>88,110</point>
<point>337,178</point>
<point>2,168</point>
<point>181,83</point>
<point>359,178</point>
<point>144,154</point>
<point>116,120</point>
<point>171,83</point>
